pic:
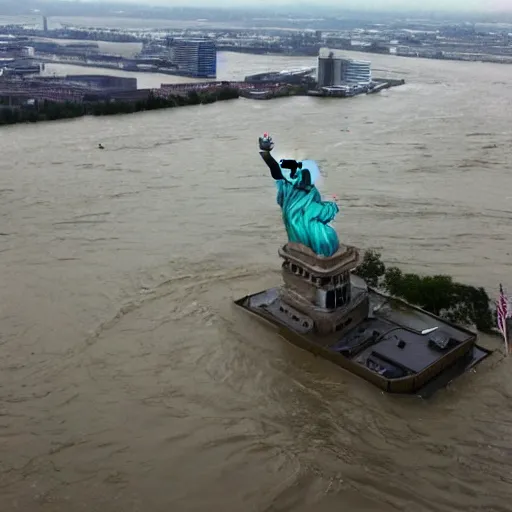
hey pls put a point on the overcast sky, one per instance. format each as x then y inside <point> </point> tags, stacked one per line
<point>378,5</point>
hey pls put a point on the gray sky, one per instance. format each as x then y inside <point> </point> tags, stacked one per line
<point>377,5</point>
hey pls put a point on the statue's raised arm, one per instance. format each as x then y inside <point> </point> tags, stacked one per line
<point>266,146</point>
<point>305,215</point>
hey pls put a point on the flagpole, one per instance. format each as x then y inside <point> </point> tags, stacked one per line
<point>505,336</point>
<point>508,315</point>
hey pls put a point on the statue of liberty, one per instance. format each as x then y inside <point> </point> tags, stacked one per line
<point>306,217</point>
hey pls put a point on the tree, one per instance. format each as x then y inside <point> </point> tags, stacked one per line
<point>371,269</point>
<point>51,110</point>
<point>438,294</point>
<point>193,98</point>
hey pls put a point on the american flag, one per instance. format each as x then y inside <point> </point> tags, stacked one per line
<point>502,313</point>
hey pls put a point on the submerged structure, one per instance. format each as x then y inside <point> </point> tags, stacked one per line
<point>323,307</point>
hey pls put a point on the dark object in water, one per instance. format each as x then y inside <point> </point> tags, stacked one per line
<point>100,146</point>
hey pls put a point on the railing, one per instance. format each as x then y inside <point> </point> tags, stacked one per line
<point>206,86</point>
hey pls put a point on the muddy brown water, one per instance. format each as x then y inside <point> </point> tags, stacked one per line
<point>129,382</point>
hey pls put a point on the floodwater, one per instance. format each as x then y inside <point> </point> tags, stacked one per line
<point>129,382</point>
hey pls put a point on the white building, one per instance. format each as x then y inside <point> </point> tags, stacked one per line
<point>356,71</point>
<point>335,70</point>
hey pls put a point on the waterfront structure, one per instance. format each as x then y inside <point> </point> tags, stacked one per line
<point>294,77</point>
<point>342,91</point>
<point>67,49</point>
<point>17,58</point>
<point>335,70</point>
<point>194,57</point>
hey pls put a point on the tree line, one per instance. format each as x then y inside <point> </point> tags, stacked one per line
<point>52,110</point>
<point>440,294</point>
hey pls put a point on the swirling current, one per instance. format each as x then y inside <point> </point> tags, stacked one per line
<point>129,382</point>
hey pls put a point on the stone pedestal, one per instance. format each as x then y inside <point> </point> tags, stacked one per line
<point>319,286</point>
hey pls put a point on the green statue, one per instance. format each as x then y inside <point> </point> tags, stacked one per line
<point>306,217</point>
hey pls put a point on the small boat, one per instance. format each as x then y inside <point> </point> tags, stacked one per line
<point>100,146</point>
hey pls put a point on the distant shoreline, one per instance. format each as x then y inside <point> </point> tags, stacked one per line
<point>44,110</point>
<point>260,51</point>
<point>119,37</point>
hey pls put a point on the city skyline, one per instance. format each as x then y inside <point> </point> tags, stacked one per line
<point>452,6</point>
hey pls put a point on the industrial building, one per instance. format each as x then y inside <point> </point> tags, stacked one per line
<point>194,57</point>
<point>335,71</point>
<point>16,57</point>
